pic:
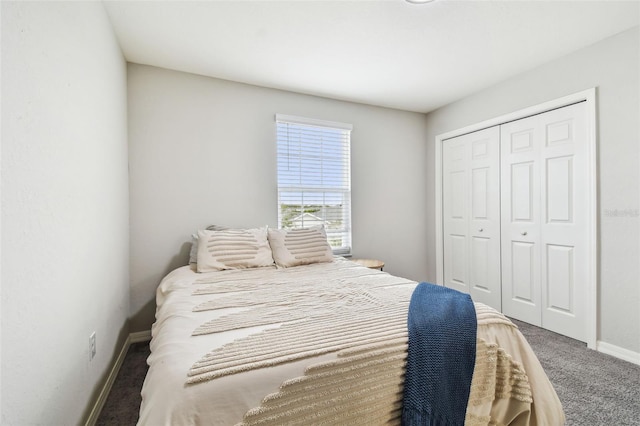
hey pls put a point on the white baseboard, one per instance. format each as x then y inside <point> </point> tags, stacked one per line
<point>618,352</point>
<point>141,336</point>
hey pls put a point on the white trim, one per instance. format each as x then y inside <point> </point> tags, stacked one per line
<point>585,95</point>
<point>618,352</point>
<point>591,296</point>
<point>589,96</point>
<point>439,219</point>
<point>141,336</point>
<point>282,118</point>
<point>104,393</point>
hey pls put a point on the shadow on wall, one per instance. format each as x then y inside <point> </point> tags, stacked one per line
<point>145,317</point>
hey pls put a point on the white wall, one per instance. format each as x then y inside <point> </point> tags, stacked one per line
<point>202,151</point>
<point>64,208</point>
<point>613,67</point>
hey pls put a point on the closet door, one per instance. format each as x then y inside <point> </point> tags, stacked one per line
<point>544,187</point>
<point>520,149</point>
<point>471,212</point>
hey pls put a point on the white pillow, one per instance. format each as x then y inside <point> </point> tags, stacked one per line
<point>193,253</point>
<point>293,247</point>
<point>233,249</point>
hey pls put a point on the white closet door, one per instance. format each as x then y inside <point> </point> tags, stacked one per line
<point>471,211</point>
<point>564,206</point>
<point>520,150</point>
<point>455,190</point>
<point>544,187</point>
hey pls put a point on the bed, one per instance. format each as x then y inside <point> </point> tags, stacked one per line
<point>323,341</point>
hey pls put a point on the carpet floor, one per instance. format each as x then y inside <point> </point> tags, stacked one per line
<point>595,389</point>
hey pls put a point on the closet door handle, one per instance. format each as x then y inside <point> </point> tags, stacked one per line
<point>523,233</point>
<point>480,230</point>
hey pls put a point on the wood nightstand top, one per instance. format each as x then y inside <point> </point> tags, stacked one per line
<point>370,263</point>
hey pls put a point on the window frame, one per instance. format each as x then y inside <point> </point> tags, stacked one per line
<point>344,233</point>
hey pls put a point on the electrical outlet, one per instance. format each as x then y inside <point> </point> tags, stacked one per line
<point>92,345</point>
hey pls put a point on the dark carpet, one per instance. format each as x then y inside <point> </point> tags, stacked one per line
<point>123,403</point>
<point>595,389</point>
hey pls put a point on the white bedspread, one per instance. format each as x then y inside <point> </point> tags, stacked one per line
<point>192,308</point>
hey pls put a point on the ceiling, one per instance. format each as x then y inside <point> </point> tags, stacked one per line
<point>388,53</point>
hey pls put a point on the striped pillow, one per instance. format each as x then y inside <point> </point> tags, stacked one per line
<point>233,249</point>
<point>193,253</point>
<point>293,247</point>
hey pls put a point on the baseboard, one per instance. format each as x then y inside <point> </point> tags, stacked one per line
<point>141,336</point>
<point>618,352</point>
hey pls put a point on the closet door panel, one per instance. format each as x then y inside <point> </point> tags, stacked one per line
<point>471,212</point>
<point>520,142</point>
<point>457,273</point>
<point>523,271</point>
<point>559,190</point>
<point>480,276</point>
<point>455,214</point>
<point>560,279</point>
<point>564,203</point>
<point>522,192</point>
<point>544,178</point>
<point>484,223</point>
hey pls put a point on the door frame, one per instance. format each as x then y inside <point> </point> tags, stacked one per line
<point>591,286</point>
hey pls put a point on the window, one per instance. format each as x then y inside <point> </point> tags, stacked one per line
<point>314,177</point>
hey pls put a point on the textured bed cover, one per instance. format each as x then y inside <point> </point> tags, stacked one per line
<point>323,342</point>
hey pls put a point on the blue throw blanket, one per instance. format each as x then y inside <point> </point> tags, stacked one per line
<point>442,351</point>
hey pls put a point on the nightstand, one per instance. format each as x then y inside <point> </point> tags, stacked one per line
<point>370,263</point>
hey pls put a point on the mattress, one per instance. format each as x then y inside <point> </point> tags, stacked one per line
<point>323,343</point>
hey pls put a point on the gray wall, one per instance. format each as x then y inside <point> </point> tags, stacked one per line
<point>613,67</point>
<point>65,251</point>
<point>202,151</point>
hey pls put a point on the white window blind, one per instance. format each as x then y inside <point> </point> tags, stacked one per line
<point>314,177</point>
